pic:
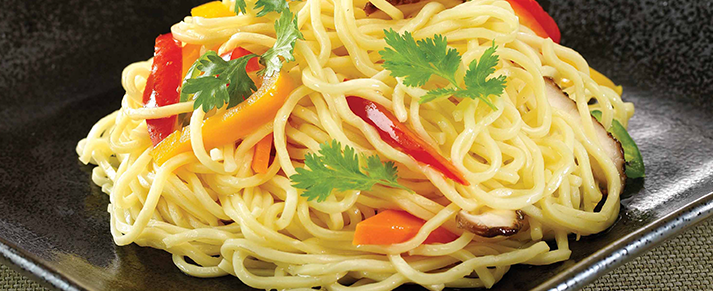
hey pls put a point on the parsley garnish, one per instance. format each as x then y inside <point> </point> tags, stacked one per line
<point>270,6</point>
<point>221,82</point>
<point>340,170</point>
<point>287,34</point>
<point>417,61</point>
<point>213,82</point>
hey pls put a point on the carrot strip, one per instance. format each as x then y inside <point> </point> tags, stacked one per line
<point>233,124</point>
<point>261,158</point>
<point>395,226</point>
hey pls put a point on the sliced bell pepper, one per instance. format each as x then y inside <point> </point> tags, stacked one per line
<point>604,81</point>
<point>400,137</point>
<point>396,226</point>
<point>261,158</point>
<point>212,9</point>
<point>233,124</point>
<point>634,167</point>
<point>238,52</point>
<point>163,84</point>
<point>533,16</point>
<point>191,52</point>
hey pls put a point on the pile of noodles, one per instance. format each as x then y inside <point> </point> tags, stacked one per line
<point>218,218</point>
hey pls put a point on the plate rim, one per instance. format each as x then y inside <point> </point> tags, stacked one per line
<point>631,246</point>
<point>575,277</point>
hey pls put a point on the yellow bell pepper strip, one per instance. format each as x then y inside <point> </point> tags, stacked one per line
<point>261,158</point>
<point>396,226</point>
<point>235,123</point>
<point>604,81</point>
<point>212,9</point>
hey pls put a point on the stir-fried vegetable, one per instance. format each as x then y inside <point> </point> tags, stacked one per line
<point>163,84</point>
<point>191,52</point>
<point>212,9</point>
<point>402,138</point>
<point>533,16</point>
<point>604,81</point>
<point>634,167</point>
<point>233,124</point>
<point>261,158</point>
<point>396,226</point>
<point>238,52</point>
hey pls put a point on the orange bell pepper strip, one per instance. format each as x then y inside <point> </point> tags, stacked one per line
<point>533,16</point>
<point>233,124</point>
<point>191,52</point>
<point>261,158</point>
<point>212,9</point>
<point>396,226</point>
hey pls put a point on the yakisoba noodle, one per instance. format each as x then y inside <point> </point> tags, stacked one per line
<point>208,205</point>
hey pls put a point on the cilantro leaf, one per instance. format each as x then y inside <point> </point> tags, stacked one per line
<point>437,93</point>
<point>221,82</point>
<point>241,7</point>
<point>270,6</point>
<point>476,78</point>
<point>416,61</point>
<point>337,169</point>
<point>287,35</point>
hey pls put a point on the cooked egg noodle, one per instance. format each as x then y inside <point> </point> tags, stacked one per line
<point>217,217</point>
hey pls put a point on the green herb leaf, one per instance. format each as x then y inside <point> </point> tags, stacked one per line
<point>240,7</point>
<point>634,167</point>
<point>221,82</point>
<point>437,93</point>
<point>270,6</point>
<point>476,78</point>
<point>339,169</point>
<point>287,35</point>
<point>417,61</point>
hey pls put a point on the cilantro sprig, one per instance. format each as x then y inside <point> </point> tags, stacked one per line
<point>418,61</point>
<point>337,169</point>
<point>214,82</point>
<point>221,82</point>
<point>267,6</point>
<point>287,35</point>
<point>271,5</point>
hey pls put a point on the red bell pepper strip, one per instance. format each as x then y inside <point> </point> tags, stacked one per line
<point>533,16</point>
<point>163,84</point>
<point>238,52</point>
<point>400,137</point>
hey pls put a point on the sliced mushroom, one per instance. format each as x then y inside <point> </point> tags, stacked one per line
<point>491,223</point>
<point>370,8</point>
<point>560,101</point>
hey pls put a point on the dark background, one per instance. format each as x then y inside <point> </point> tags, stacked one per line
<point>60,70</point>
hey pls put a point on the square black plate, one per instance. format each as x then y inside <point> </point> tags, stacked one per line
<point>61,64</point>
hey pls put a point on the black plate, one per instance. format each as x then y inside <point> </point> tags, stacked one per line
<point>60,72</point>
